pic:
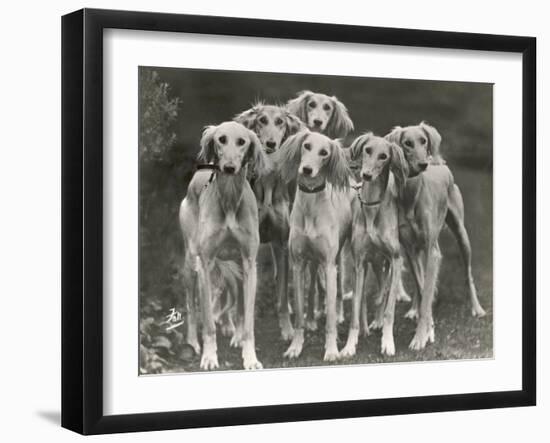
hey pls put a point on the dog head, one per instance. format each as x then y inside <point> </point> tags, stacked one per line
<point>313,158</point>
<point>272,124</point>
<point>231,146</point>
<point>322,113</point>
<point>378,155</point>
<point>420,145</point>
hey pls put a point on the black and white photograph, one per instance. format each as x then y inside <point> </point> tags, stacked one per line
<point>297,220</point>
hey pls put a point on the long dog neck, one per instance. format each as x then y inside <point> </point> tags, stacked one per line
<point>229,189</point>
<point>371,195</point>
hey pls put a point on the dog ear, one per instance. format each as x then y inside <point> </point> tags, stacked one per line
<point>395,135</point>
<point>248,117</point>
<point>340,123</point>
<point>256,157</point>
<point>287,158</point>
<point>399,167</point>
<point>297,106</point>
<point>435,141</point>
<point>293,124</point>
<point>357,145</point>
<point>207,153</point>
<point>337,168</point>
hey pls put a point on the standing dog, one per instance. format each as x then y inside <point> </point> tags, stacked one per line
<point>429,200</point>
<point>273,125</point>
<point>326,115</point>
<point>375,231</point>
<point>320,222</point>
<point>220,211</point>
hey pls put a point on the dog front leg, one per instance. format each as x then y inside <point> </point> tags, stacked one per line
<point>353,336</point>
<point>387,344</point>
<point>209,359</point>
<point>331,348</point>
<point>295,348</point>
<point>248,344</point>
<point>281,254</point>
<point>313,298</point>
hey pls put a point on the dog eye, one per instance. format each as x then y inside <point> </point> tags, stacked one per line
<point>422,141</point>
<point>240,141</point>
<point>382,156</point>
<point>307,146</point>
<point>323,152</point>
<point>278,121</point>
<point>312,104</point>
<point>326,107</point>
<point>263,120</point>
<point>222,139</point>
<point>408,143</point>
<point>368,151</point>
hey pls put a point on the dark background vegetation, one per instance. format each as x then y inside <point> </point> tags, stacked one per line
<point>175,104</point>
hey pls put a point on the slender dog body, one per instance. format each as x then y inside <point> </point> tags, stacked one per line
<point>320,223</point>
<point>220,211</point>
<point>273,125</point>
<point>430,199</point>
<point>375,232</point>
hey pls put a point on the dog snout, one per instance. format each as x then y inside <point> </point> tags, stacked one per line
<point>229,169</point>
<point>271,144</point>
<point>423,165</point>
<point>367,177</point>
<point>317,123</point>
<point>306,170</point>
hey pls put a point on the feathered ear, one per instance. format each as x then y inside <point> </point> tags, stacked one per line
<point>288,157</point>
<point>248,118</point>
<point>337,169</point>
<point>340,123</point>
<point>207,153</point>
<point>293,124</point>
<point>297,106</point>
<point>358,144</point>
<point>395,135</point>
<point>399,167</point>
<point>256,157</point>
<point>435,141</point>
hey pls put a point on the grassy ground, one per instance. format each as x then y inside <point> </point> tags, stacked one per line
<point>458,335</point>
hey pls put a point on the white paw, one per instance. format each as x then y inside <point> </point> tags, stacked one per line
<point>227,329</point>
<point>331,354</point>
<point>295,348</point>
<point>311,324</point>
<point>287,331</point>
<point>478,311</point>
<point>236,339</point>
<point>348,295</point>
<point>250,361</point>
<point>348,351</point>
<point>387,345</point>
<point>420,339</point>
<point>376,324</point>
<point>411,314</point>
<point>209,361</point>
<point>402,296</point>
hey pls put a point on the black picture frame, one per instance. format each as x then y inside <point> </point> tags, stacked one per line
<point>82,220</point>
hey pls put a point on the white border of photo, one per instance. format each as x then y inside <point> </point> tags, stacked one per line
<point>125,392</point>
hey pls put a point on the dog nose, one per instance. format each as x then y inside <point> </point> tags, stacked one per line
<point>317,122</point>
<point>367,177</point>
<point>306,170</point>
<point>423,165</point>
<point>270,144</point>
<point>229,169</point>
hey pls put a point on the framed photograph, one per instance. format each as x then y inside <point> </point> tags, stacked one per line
<point>270,221</point>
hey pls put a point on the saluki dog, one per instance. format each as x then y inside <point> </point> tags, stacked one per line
<point>220,211</point>
<point>429,200</point>
<point>326,115</point>
<point>273,125</point>
<point>375,231</point>
<point>320,222</point>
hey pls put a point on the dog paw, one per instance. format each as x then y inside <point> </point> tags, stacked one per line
<point>402,296</point>
<point>419,340</point>
<point>478,311</point>
<point>348,351</point>
<point>311,324</point>
<point>376,324</point>
<point>331,354</point>
<point>236,339</point>
<point>287,331</point>
<point>250,362</point>
<point>209,361</point>
<point>387,346</point>
<point>348,295</point>
<point>411,314</point>
<point>227,329</point>
<point>195,345</point>
<point>295,348</point>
